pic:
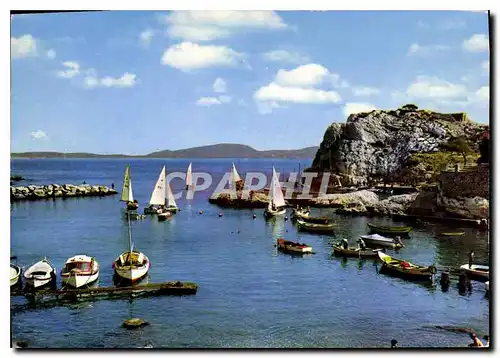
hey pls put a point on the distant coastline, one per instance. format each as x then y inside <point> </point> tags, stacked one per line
<point>208,151</point>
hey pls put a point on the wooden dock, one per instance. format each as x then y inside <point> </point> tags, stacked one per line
<point>49,298</point>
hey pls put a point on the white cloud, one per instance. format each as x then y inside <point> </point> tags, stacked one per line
<point>207,101</point>
<point>39,134</point>
<point>126,80</point>
<point>425,50</point>
<point>285,56</point>
<point>476,43</point>
<point>24,46</point>
<point>267,107</point>
<point>351,108</point>
<point>51,54</point>
<point>220,86</point>
<point>452,24</point>
<point>146,37</point>
<point>225,99</point>
<point>435,88</point>
<point>188,56</point>
<point>278,93</point>
<point>210,25</point>
<point>304,76</point>
<point>365,91</point>
<point>72,69</point>
<point>486,66</point>
<point>482,94</point>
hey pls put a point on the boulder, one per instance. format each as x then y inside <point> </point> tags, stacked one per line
<point>134,323</point>
<point>469,208</point>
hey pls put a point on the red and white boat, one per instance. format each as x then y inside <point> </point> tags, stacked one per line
<point>80,270</point>
<point>295,247</point>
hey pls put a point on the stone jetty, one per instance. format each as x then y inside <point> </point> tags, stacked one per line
<point>37,192</point>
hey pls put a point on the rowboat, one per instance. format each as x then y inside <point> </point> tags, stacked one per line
<point>293,247</point>
<point>40,274</point>
<point>376,240</point>
<point>452,233</point>
<point>478,272</point>
<point>276,204</point>
<point>80,270</point>
<point>164,215</point>
<point>127,195</point>
<point>306,216</point>
<point>132,265</point>
<point>15,272</point>
<point>406,269</point>
<point>338,250</point>
<point>322,228</point>
<point>390,230</point>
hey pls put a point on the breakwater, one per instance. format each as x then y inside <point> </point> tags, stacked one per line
<point>38,192</point>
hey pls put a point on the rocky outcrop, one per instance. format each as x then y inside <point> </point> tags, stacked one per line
<point>379,143</point>
<point>33,192</point>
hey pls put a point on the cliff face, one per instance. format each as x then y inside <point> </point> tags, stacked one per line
<point>380,143</point>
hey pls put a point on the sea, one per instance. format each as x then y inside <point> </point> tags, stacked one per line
<point>250,295</point>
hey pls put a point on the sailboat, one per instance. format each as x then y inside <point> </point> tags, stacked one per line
<point>171,204</point>
<point>131,266</point>
<point>236,179</point>
<point>276,204</point>
<point>127,195</point>
<point>189,178</point>
<point>157,200</point>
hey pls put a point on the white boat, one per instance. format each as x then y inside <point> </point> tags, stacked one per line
<point>127,195</point>
<point>158,195</point>
<point>376,240</point>
<point>15,272</point>
<point>294,247</point>
<point>131,266</point>
<point>171,204</point>
<point>80,270</point>
<point>189,177</point>
<point>40,274</point>
<point>276,203</point>
<point>477,271</point>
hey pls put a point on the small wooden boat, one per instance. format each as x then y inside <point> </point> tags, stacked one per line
<point>127,195</point>
<point>406,269</point>
<point>375,240</point>
<point>306,216</point>
<point>276,205</point>
<point>164,215</point>
<point>478,272</point>
<point>15,272</point>
<point>40,274</point>
<point>390,230</point>
<point>80,270</point>
<point>293,247</point>
<point>461,233</point>
<point>312,227</point>
<point>338,250</point>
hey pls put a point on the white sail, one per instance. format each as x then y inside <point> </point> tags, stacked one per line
<point>170,198</point>
<point>158,195</point>
<point>235,176</point>
<point>276,192</point>
<point>189,176</point>
<point>127,186</point>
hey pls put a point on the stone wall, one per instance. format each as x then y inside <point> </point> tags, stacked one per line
<point>466,184</point>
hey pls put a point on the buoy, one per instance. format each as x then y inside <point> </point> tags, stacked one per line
<point>220,214</point>
<point>201,212</point>
<point>254,216</point>
<point>286,218</point>
<point>134,323</point>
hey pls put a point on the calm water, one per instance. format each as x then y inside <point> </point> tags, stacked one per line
<point>249,295</point>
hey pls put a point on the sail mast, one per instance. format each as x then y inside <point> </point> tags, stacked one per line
<point>129,233</point>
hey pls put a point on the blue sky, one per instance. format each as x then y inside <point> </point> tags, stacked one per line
<point>137,82</point>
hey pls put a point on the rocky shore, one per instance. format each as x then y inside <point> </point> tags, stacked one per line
<point>37,192</point>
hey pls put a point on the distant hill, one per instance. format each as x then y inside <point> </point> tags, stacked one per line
<point>224,150</point>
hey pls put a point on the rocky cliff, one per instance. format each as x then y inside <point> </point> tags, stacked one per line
<point>380,143</point>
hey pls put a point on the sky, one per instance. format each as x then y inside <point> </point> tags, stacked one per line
<point>138,82</point>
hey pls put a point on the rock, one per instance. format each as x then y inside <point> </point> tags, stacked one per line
<point>39,193</point>
<point>58,194</point>
<point>396,204</point>
<point>469,208</point>
<point>134,323</point>
<point>16,178</point>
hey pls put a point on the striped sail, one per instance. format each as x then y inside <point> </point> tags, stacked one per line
<point>189,176</point>
<point>158,195</point>
<point>127,186</point>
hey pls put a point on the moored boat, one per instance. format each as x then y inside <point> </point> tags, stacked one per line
<point>80,270</point>
<point>164,215</point>
<point>312,227</point>
<point>389,230</point>
<point>293,247</point>
<point>132,265</point>
<point>15,272</point>
<point>157,201</point>
<point>127,194</point>
<point>306,216</point>
<point>171,204</point>
<point>40,274</point>
<point>406,269</point>
<point>477,272</point>
<point>375,241</point>
<point>339,250</point>
<point>276,203</point>
<point>460,233</point>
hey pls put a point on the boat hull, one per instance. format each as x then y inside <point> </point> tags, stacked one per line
<point>387,230</point>
<point>40,274</point>
<point>132,206</point>
<point>316,228</point>
<point>15,273</point>
<point>38,283</point>
<point>79,280</point>
<point>353,252</point>
<point>474,273</point>
<point>297,215</point>
<point>408,271</point>
<point>132,275</point>
<point>164,216</point>
<point>271,213</point>
<point>378,243</point>
<point>293,247</point>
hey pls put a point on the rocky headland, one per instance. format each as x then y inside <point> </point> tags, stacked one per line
<point>37,192</point>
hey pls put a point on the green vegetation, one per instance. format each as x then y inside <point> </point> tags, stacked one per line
<point>461,146</point>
